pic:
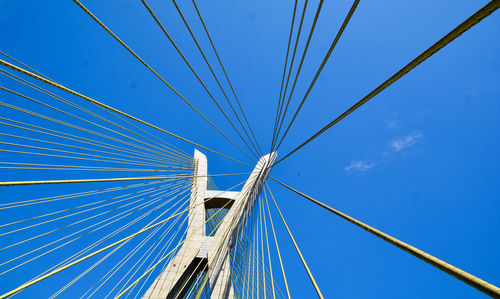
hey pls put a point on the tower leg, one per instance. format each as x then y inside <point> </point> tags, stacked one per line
<point>200,252</point>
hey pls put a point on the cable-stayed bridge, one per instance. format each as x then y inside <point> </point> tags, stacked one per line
<point>101,203</point>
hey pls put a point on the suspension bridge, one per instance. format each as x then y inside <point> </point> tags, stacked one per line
<point>99,202</point>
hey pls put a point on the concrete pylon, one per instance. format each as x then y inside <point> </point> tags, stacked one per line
<point>210,254</point>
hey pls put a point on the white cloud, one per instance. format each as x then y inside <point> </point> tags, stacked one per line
<point>359,166</point>
<point>395,146</point>
<point>407,141</point>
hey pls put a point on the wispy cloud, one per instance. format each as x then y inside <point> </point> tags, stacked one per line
<point>407,141</point>
<point>396,145</point>
<point>359,166</point>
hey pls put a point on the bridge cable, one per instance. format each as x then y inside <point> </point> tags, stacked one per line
<point>107,159</point>
<point>313,26</point>
<point>463,27</point>
<point>268,249</point>
<point>114,233</point>
<point>34,86</point>
<point>179,244</point>
<point>282,100</point>
<point>156,74</point>
<point>140,207</point>
<point>121,261</point>
<point>73,195</point>
<point>205,279</point>
<point>113,271</point>
<point>148,8</point>
<point>78,127</point>
<point>168,287</point>
<point>9,65</point>
<point>117,266</point>
<point>227,77</point>
<point>62,135</point>
<point>165,247</point>
<point>191,257</point>
<point>224,238</point>
<point>30,166</point>
<point>42,182</point>
<point>323,63</point>
<point>152,221</point>
<point>161,253</point>
<point>311,277</point>
<point>163,164</point>
<point>32,282</point>
<point>171,149</point>
<point>107,202</point>
<point>262,247</point>
<point>213,74</point>
<point>137,208</point>
<point>62,211</point>
<point>469,279</point>
<point>277,247</point>
<point>284,72</point>
<point>26,66</point>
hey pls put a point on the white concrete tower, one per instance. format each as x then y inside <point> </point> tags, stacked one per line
<point>200,252</point>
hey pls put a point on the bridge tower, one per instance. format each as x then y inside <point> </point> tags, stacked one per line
<point>209,255</point>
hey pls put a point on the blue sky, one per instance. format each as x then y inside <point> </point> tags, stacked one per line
<point>419,161</point>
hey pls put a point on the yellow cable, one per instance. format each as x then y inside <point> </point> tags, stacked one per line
<point>19,183</point>
<point>148,8</point>
<point>30,283</point>
<point>148,203</point>
<point>316,287</point>
<point>80,139</point>
<point>21,70</point>
<point>227,77</point>
<point>80,118</point>
<point>72,195</point>
<point>277,247</point>
<point>79,147</point>
<point>448,38</point>
<point>178,245</point>
<point>155,73</point>
<point>469,279</point>
<point>174,150</point>
<point>268,250</point>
